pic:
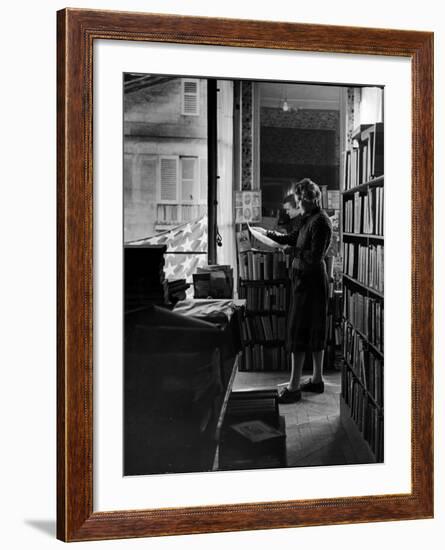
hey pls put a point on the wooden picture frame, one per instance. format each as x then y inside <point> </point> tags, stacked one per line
<point>77,31</point>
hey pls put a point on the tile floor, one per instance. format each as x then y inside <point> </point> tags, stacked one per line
<point>315,435</point>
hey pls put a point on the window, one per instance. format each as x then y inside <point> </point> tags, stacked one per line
<point>179,180</point>
<point>190,97</point>
<point>179,195</point>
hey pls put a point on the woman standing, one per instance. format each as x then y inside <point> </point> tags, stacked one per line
<point>307,319</point>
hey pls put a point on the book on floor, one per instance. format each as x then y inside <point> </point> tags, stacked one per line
<point>257,431</point>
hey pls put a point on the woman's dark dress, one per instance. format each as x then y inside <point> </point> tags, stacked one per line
<point>307,319</point>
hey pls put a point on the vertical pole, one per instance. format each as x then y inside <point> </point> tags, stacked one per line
<point>212,164</point>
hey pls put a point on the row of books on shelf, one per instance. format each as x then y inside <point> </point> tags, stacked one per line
<point>365,162</point>
<point>367,367</point>
<point>366,315</point>
<point>367,417</point>
<point>257,265</point>
<point>363,213</point>
<point>266,298</point>
<point>364,263</point>
<point>264,358</point>
<point>263,327</point>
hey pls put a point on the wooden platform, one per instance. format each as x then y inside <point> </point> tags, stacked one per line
<point>315,433</point>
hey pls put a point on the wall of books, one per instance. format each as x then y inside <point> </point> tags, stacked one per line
<point>363,286</point>
<point>264,284</point>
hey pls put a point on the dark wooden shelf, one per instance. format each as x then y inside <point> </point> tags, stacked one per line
<point>364,236</point>
<point>363,286</point>
<point>375,182</point>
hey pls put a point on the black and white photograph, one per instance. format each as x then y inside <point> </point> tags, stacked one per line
<point>222,228</point>
<point>253,248</point>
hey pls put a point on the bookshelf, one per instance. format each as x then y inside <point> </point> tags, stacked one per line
<point>362,237</point>
<point>264,284</point>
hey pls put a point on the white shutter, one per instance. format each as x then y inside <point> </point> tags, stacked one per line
<point>168,180</point>
<point>189,179</point>
<point>190,96</point>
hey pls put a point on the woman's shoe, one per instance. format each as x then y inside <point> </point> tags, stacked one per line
<point>317,387</point>
<point>285,395</point>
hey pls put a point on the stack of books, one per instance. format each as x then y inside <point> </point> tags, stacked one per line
<point>144,278</point>
<point>254,435</point>
<point>213,281</point>
<point>253,404</point>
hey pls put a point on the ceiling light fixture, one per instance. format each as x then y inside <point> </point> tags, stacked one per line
<point>284,104</point>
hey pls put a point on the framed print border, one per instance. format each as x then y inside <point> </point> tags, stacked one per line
<point>77,31</point>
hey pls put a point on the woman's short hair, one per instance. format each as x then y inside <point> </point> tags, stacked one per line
<point>290,199</point>
<point>308,191</point>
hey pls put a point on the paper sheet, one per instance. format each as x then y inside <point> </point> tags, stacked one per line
<point>263,238</point>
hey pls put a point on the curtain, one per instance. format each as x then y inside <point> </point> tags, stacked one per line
<point>226,254</point>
